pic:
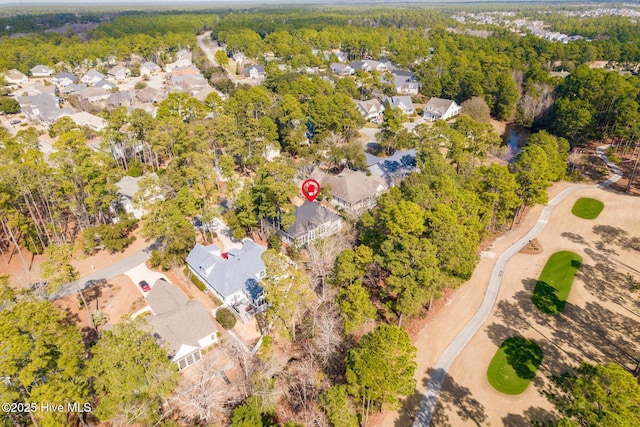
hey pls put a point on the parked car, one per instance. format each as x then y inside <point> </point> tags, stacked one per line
<point>144,286</point>
<point>15,122</point>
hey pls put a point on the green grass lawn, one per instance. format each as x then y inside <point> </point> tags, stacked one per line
<point>514,365</point>
<point>554,284</point>
<point>586,208</point>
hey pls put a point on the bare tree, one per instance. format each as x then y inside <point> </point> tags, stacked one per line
<point>202,396</point>
<point>575,159</point>
<point>247,363</point>
<point>322,256</point>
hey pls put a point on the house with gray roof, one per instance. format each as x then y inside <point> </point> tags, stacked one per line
<point>313,222</point>
<point>149,68</point>
<point>232,276</point>
<point>41,71</point>
<point>94,94</point>
<point>180,324</point>
<point>255,71</point>
<point>128,186</point>
<point>371,109</point>
<point>73,88</point>
<point>352,191</point>
<point>392,169</point>
<point>404,103</point>
<point>441,109</point>
<point>63,79</point>
<point>118,73</point>
<point>43,107</point>
<point>341,69</point>
<point>92,77</point>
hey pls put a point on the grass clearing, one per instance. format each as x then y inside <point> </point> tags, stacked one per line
<point>514,365</point>
<point>587,208</point>
<point>554,285</point>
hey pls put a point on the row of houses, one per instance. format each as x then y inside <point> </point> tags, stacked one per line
<point>435,109</point>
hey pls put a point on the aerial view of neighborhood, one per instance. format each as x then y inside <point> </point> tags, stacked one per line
<point>385,214</point>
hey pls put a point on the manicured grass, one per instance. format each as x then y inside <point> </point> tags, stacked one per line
<point>554,284</point>
<point>514,365</point>
<point>586,208</point>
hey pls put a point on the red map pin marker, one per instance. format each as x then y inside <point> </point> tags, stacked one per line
<point>310,188</point>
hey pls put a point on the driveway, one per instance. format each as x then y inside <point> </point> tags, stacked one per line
<point>141,272</point>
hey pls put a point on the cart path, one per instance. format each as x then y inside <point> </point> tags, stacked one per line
<point>440,369</point>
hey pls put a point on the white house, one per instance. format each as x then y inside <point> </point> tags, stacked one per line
<point>254,71</point>
<point>41,71</point>
<point>441,109</point>
<point>232,276</point>
<point>15,77</point>
<point>371,109</point>
<point>64,79</point>
<point>239,57</point>
<point>181,324</point>
<point>92,77</point>
<point>404,103</point>
<point>94,94</point>
<point>118,73</point>
<point>149,68</point>
<point>341,69</point>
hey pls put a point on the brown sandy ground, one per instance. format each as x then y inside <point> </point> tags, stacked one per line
<point>600,324</point>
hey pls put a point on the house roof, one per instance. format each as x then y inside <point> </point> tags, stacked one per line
<point>118,68</point>
<point>370,106</point>
<point>87,119</point>
<point>43,101</point>
<point>399,102</point>
<point>150,65</point>
<point>177,320</point>
<point>184,71</point>
<point>93,92</point>
<point>350,186</point>
<point>40,69</point>
<point>64,75</point>
<point>239,272</point>
<point>401,163</point>
<point>105,84</point>
<point>119,98</point>
<point>71,88</point>
<point>403,73</point>
<point>308,217</point>
<point>438,105</point>
<point>14,75</point>
<point>93,74</point>
<point>259,68</point>
<point>128,185</point>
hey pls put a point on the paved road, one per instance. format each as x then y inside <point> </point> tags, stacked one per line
<point>427,406</point>
<point>212,59</point>
<point>110,272</point>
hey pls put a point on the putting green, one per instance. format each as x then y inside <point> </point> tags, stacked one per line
<point>586,208</point>
<point>554,285</point>
<point>514,365</point>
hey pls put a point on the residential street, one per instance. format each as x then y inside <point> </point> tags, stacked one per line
<point>110,272</point>
<point>210,56</point>
<point>439,373</point>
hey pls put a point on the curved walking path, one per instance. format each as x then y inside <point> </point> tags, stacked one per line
<point>440,369</point>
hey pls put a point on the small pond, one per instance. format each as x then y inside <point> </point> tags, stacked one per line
<point>515,137</point>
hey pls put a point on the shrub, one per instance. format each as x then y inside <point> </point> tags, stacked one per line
<point>197,282</point>
<point>225,317</point>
